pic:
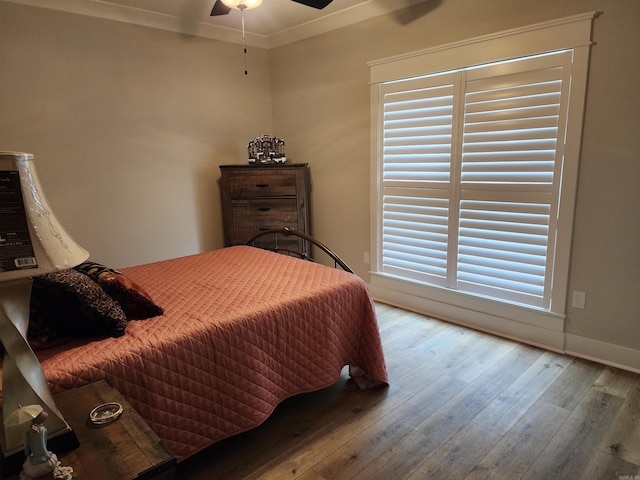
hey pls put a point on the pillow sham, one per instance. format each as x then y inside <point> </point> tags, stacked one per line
<point>136,303</point>
<point>70,304</point>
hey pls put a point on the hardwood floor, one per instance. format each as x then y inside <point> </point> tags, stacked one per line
<point>461,405</point>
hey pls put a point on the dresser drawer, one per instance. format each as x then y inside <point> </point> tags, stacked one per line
<point>292,244</point>
<point>243,234</point>
<point>252,216</point>
<point>264,184</point>
<point>265,212</point>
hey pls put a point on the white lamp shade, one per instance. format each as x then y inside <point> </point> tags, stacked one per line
<point>242,4</point>
<point>44,246</point>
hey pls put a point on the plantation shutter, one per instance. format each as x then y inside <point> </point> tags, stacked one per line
<point>471,162</point>
<point>511,156</point>
<point>416,177</point>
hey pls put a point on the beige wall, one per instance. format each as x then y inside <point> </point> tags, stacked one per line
<point>321,106</point>
<point>128,126</point>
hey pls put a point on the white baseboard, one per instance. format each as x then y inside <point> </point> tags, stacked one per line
<point>603,352</point>
<point>547,334</point>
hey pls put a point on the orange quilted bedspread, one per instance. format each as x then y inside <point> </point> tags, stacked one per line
<point>243,329</point>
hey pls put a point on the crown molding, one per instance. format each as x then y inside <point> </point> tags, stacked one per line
<point>104,9</point>
<point>145,18</point>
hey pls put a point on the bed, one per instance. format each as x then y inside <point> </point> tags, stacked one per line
<point>242,329</point>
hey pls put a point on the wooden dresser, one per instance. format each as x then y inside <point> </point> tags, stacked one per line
<point>263,197</point>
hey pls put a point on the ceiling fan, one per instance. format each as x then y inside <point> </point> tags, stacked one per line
<point>223,7</point>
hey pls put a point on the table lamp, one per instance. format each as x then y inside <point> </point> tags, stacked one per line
<point>32,243</point>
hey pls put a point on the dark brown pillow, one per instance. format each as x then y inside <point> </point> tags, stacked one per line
<point>70,304</point>
<point>134,300</point>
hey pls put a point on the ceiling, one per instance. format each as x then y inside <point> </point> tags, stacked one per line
<point>274,23</point>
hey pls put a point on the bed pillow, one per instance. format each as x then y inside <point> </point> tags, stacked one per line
<point>134,300</point>
<point>69,304</point>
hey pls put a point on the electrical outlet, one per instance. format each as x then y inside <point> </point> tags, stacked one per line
<point>579,299</point>
<point>366,258</point>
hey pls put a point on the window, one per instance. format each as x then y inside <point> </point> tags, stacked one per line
<point>476,167</point>
<point>471,162</point>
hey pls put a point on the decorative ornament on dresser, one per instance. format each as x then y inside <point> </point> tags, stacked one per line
<point>266,149</point>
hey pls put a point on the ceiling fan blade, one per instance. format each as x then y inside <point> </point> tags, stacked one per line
<point>319,4</point>
<point>219,8</point>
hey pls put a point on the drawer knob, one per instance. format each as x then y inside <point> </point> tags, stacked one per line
<point>262,185</point>
<point>264,209</point>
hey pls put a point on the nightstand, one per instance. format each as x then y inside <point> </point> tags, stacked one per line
<point>125,449</point>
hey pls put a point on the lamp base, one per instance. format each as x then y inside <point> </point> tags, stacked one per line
<point>60,443</point>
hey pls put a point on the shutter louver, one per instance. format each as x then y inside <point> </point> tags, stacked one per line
<point>502,249</point>
<point>417,136</point>
<point>415,236</point>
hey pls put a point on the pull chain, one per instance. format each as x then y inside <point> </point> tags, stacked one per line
<point>244,40</point>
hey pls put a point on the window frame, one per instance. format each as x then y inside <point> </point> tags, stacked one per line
<point>572,33</point>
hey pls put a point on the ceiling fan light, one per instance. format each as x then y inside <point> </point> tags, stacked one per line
<point>242,4</point>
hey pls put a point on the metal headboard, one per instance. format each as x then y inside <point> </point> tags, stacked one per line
<point>287,232</point>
